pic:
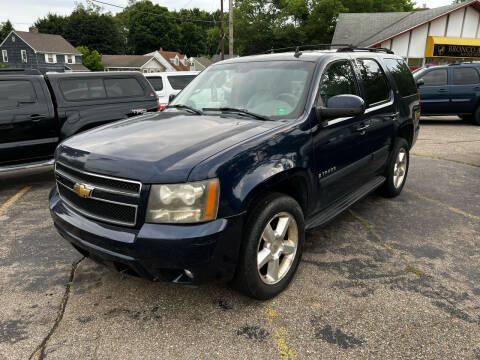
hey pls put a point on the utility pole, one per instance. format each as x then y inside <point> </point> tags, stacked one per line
<point>222,31</point>
<point>230,28</point>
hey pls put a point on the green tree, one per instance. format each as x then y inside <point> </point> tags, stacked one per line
<point>91,58</point>
<point>5,29</point>
<point>52,24</point>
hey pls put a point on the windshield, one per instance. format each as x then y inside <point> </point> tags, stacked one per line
<point>275,89</point>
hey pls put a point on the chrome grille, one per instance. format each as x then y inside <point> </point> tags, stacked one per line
<point>112,200</point>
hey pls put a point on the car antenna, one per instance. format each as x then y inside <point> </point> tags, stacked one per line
<point>298,53</point>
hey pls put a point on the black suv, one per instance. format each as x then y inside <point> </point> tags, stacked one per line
<point>450,90</point>
<point>36,111</point>
<point>223,183</point>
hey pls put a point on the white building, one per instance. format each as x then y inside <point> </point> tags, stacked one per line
<point>435,36</point>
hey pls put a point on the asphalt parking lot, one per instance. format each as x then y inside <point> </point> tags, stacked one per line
<point>389,279</point>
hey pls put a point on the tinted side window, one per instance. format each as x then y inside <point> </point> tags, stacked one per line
<point>123,87</point>
<point>14,92</point>
<point>435,77</point>
<point>374,81</point>
<point>179,82</point>
<point>156,82</point>
<point>402,75</point>
<point>82,89</point>
<point>465,76</point>
<point>338,79</point>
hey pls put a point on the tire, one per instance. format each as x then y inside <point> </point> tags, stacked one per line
<point>271,211</point>
<point>466,117</point>
<point>476,116</point>
<point>397,169</point>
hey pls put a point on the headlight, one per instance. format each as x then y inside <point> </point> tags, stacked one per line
<point>183,203</point>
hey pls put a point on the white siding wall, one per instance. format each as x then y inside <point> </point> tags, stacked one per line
<point>418,42</point>
<point>437,27</point>
<point>400,44</point>
<point>386,44</point>
<point>455,21</point>
<point>471,23</point>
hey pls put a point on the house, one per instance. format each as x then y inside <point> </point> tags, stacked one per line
<point>172,60</point>
<point>142,63</point>
<point>441,35</point>
<point>199,63</point>
<point>45,52</point>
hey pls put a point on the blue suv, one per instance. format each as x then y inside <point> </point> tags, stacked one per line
<point>450,90</point>
<point>222,184</point>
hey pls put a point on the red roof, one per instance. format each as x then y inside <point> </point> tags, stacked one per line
<point>167,55</point>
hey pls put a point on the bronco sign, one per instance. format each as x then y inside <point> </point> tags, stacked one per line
<point>462,51</point>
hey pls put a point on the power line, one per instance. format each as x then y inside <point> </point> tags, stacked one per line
<point>155,14</point>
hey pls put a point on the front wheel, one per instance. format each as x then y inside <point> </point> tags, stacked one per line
<point>397,169</point>
<point>272,247</point>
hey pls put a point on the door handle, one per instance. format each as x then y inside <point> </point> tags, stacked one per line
<point>362,128</point>
<point>37,117</point>
<point>443,90</point>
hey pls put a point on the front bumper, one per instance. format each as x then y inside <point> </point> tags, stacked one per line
<point>155,251</point>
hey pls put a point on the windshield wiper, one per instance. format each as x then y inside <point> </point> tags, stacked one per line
<point>186,107</point>
<point>240,111</point>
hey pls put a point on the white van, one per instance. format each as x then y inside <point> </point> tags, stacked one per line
<point>169,82</point>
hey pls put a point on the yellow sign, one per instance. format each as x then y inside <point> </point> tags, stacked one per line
<point>439,46</point>
<point>83,190</point>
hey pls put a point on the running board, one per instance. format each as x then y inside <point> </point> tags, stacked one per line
<point>344,203</point>
<point>27,166</point>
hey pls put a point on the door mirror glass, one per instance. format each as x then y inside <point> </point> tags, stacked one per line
<point>342,106</point>
<point>420,82</point>
<point>171,97</point>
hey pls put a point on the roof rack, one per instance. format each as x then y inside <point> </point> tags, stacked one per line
<point>376,50</point>
<point>14,71</point>
<point>339,48</point>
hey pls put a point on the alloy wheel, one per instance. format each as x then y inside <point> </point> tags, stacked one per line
<point>277,248</point>
<point>400,168</point>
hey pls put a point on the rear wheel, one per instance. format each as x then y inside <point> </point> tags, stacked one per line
<point>397,169</point>
<point>476,116</point>
<point>272,247</point>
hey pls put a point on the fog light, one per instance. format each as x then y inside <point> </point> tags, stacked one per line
<point>188,273</point>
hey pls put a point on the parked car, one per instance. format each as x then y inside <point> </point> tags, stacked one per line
<point>253,152</point>
<point>37,112</point>
<point>169,83</point>
<point>450,90</point>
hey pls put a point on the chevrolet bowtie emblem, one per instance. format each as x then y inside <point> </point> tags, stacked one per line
<point>83,190</point>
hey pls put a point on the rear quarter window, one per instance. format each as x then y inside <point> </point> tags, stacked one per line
<point>178,82</point>
<point>14,92</point>
<point>465,76</point>
<point>123,87</point>
<point>402,76</point>
<point>156,82</point>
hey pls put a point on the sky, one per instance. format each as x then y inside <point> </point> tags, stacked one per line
<point>24,13</point>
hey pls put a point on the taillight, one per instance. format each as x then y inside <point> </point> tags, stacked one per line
<point>161,106</point>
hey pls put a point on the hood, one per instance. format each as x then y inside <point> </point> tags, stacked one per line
<point>157,148</point>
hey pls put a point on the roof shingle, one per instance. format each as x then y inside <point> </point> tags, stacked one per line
<point>126,61</point>
<point>47,43</point>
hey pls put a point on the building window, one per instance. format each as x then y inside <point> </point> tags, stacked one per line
<point>69,59</point>
<point>4,56</point>
<point>50,58</point>
<point>13,38</point>
<point>24,55</point>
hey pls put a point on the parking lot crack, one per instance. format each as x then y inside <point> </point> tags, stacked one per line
<point>39,352</point>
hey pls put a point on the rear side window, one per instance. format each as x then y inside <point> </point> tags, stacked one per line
<point>156,82</point>
<point>14,92</point>
<point>374,81</point>
<point>178,82</point>
<point>435,78</point>
<point>465,76</point>
<point>123,87</point>
<point>82,89</point>
<point>338,79</point>
<point>403,77</point>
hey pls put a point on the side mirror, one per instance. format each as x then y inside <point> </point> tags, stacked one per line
<point>420,82</point>
<point>342,106</point>
<point>171,97</point>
